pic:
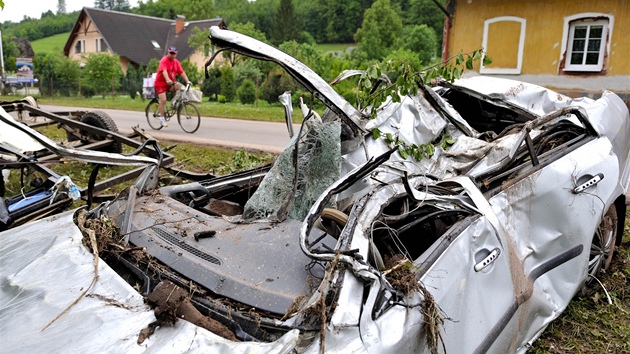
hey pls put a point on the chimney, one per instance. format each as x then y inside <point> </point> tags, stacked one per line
<point>179,23</point>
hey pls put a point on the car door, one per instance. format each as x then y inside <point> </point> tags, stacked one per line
<point>467,277</point>
<point>549,209</point>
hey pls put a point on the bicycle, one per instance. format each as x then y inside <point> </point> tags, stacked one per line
<point>187,113</point>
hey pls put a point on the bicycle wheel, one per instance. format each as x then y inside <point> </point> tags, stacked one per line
<point>188,117</point>
<point>153,114</point>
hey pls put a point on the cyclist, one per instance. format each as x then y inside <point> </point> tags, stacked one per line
<point>165,79</point>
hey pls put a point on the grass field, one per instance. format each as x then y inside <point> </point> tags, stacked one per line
<point>53,44</point>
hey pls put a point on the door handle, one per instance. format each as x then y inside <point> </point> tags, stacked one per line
<point>588,184</point>
<point>488,260</point>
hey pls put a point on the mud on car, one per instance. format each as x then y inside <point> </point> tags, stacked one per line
<point>344,244</point>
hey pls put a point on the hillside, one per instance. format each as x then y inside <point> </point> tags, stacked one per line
<point>52,44</point>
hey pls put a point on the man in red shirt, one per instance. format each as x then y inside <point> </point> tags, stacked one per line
<point>165,79</point>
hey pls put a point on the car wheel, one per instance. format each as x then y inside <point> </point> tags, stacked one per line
<point>603,244</point>
<point>101,120</point>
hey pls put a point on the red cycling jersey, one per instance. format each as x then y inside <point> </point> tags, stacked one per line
<point>172,67</point>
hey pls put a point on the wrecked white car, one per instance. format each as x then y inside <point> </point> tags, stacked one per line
<point>344,245</point>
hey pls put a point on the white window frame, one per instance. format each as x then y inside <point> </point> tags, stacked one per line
<point>587,18</point>
<point>81,43</point>
<point>100,45</point>
<point>521,45</point>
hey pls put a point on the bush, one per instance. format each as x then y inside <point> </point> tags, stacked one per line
<point>228,83</point>
<point>221,99</point>
<point>247,70</point>
<point>277,82</point>
<point>211,87</point>
<point>132,82</point>
<point>87,91</point>
<point>247,92</point>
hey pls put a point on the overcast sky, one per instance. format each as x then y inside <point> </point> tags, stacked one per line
<point>15,10</point>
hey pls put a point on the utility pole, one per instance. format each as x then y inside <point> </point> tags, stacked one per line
<point>2,78</point>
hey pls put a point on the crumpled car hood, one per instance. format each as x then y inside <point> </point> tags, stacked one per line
<point>44,267</point>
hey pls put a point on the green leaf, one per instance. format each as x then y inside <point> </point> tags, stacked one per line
<point>367,84</point>
<point>376,133</point>
<point>400,81</point>
<point>446,142</point>
<point>418,154</point>
<point>429,149</point>
<point>373,72</point>
<point>477,54</point>
<point>403,152</point>
<point>469,63</point>
<point>487,60</point>
<point>459,59</point>
<point>457,73</point>
<point>389,138</point>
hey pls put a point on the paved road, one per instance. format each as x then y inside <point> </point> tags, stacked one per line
<point>235,133</point>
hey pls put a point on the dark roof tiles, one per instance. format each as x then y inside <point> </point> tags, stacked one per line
<point>133,36</point>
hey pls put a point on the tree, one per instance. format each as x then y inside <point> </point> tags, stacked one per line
<point>191,71</point>
<point>425,12</point>
<point>248,29</point>
<point>10,51</point>
<point>306,53</point>
<point>247,70</point>
<point>102,72</point>
<point>380,30</point>
<point>200,38</point>
<point>116,5</point>
<point>212,85</point>
<point>61,7</point>
<point>191,9</point>
<point>198,9</point>
<point>247,92</point>
<point>421,39</point>
<point>228,83</point>
<point>286,26</point>
<point>339,19</point>
<point>132,82</point>
<point>153,65</point>
<point>57,74</point>
<point>277,82</point>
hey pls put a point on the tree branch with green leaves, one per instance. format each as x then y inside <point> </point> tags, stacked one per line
<point>376,87</point>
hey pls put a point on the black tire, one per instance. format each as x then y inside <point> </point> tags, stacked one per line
<point>98,119</point>
<point>188,117</point>
<point>153,114</point>
<point>603,244</point>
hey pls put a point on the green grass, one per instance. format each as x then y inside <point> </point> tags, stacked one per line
<point>53,44</point>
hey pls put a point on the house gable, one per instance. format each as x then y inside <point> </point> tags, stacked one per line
<point>136,39</point>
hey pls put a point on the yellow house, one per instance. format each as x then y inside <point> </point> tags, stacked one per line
<point>135,39</point>
<point>577,47</point>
